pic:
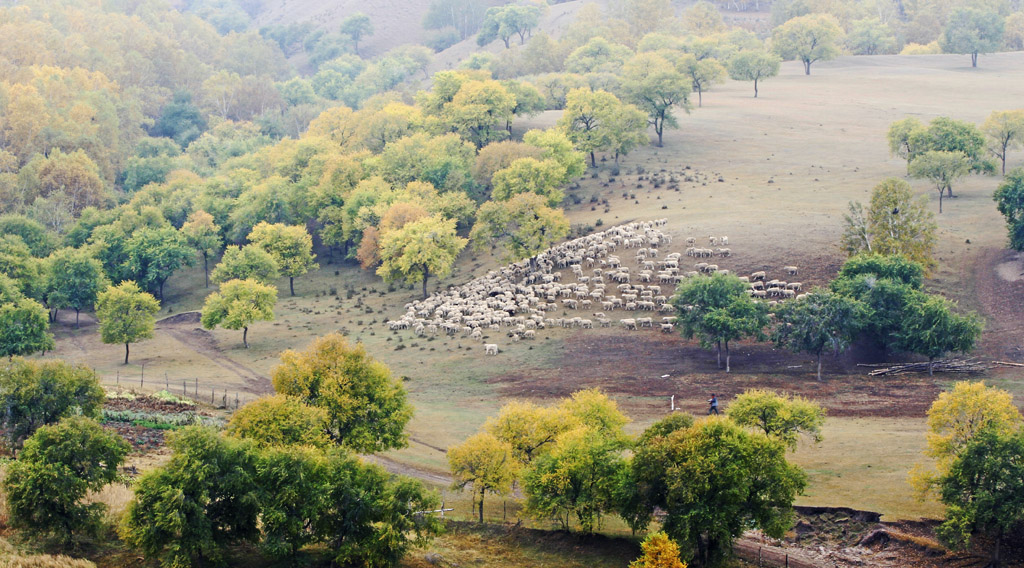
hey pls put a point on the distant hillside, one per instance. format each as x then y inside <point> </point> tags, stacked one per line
<point>395,22</point>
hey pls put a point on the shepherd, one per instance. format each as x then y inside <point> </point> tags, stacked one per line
<point>713,401</point>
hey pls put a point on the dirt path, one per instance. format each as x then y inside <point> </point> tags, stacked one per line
<point>1002,301</point>
<point>182,328</point>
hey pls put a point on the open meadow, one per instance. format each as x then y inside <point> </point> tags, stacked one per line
<point>775,175</point>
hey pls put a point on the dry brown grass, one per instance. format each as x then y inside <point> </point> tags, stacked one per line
<point>116,497</point>
<point>12,558</point>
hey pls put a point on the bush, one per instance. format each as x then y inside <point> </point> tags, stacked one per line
<point>58,467</point>
<point>36,393</point>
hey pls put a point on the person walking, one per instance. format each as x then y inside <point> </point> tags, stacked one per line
<point>713,401</point>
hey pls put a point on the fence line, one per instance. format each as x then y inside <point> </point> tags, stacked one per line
<point>188,388</point>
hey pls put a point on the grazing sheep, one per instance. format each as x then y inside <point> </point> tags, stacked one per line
<point>667,327</point>
<point>791,270</point>
<point>628,323</point>
<point>490,348</point>
<point>724,240</point>
<point>529,334</point>
<point>762,276</point>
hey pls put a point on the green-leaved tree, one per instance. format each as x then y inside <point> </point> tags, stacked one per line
<point>238,305</point>
<point>126,314</point>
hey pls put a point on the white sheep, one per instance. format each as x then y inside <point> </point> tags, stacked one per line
<point>490,348</point>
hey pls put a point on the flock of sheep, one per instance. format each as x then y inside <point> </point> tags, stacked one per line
<point>524,297</point>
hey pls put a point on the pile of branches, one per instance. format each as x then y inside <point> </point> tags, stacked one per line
<point>940,366</point>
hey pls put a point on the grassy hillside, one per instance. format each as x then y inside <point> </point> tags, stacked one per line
<point>774,174</point>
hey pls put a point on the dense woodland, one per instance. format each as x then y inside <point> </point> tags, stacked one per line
<point>138,138</point>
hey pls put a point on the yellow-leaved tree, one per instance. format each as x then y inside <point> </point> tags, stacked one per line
<point>419,249</point>
<point>955,418</point>
<point>485,462</point>
<point>658,551</point>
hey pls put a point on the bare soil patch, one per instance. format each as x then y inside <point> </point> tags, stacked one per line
<point>635,365</point>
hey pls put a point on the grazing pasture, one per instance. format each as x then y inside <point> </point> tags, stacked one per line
<point>775,174</point>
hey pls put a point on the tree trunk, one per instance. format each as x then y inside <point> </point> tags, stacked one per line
<point>291,284</point>
<point>819,365</point>
<point>659,128</point>
<point>593,159</point>
<point>76,318</point>
<point>727,357</point>
<point>718,344</point>
<point>807,67</point>
<point>162,291</point>
<point>206,269</point>
<point>245,337</point>
<point>426,273</point>
<point>996,560</point>
<point>940,201</point>
<point>126,353</point>
<point>755,88</point>
<point>700,98</point>
<point>974,59</point>
<point>930,362</point>
<point>481,505</point>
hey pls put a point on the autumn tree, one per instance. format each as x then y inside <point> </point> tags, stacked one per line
<point>356,27</point>
<point>810,38</point>
<point>956,418</point>
<point>24,328</point>
<point>718,310</point>
<point>506,21</point>
<point>654,85</point>
<point>598,120</point>
<point>1009,198</point>
<point>480,111</point>
<point>983,491</point>
<point>779,416</point>
<point>202,234</point>
<point>153,255</point>
<point>1005,131</point>
<point>714,480</point>
<point>366,407</point>
<point>896,223</point>
<point>126,314</point>
<point>529,175</point>
<point>238,305</point>
<point>555,145</point>
<point>933,329</point>
<point>576,477</point>
<point>703,73</point>
<point>205,498</point>
<point>39,241</point>
<point>942,169</point>
<point>869,36</point>
<point>529,429</point>
<point>58,467</point>
<point>36,393</point>
<point>889,286</point>
<point>820,321</point>
<point>419,249</point>
<point>280,420</point>
<point>250,262</point>
<point>523,226</point>
<point>291,247</point>
<point>484,462</point>
<point>972,31</point>
<point>658,551</point>
<point>751,65</point>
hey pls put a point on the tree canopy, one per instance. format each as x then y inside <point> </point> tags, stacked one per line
<point>126,314</point>
<point>896,223</point>
<point>810,38</point>
<point>972,31</point>
<point>751,65</point>
<point>366,407</point>
<point>1009,198</point>
<point>718,310</point>
<point>238,304</point>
